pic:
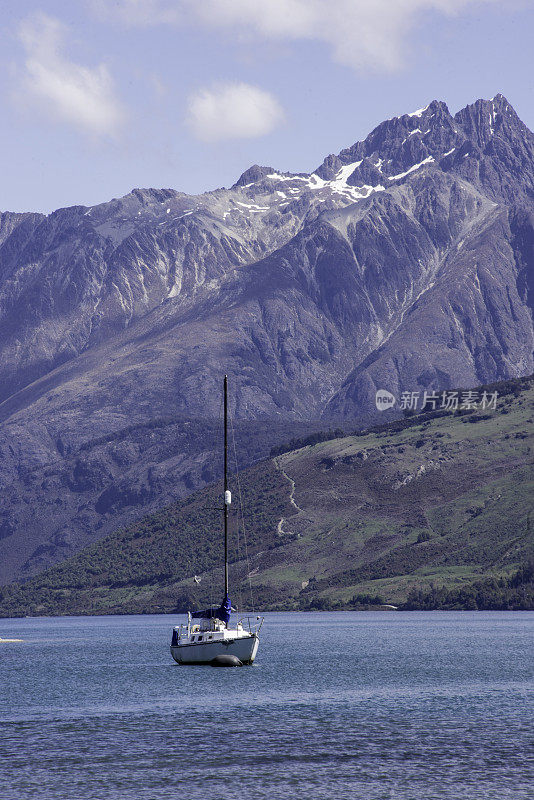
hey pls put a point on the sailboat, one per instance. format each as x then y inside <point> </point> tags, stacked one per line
<point>211,640</point>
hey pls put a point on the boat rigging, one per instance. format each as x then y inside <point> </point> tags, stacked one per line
<point>211,640</point>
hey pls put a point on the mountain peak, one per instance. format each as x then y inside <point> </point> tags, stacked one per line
<point>435,107</point>
<point>253,174</point>
<point>483,119</point>
<point>501,101</point>
<point>498,103</point>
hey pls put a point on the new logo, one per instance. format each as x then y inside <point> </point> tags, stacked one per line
<point>384,400</point>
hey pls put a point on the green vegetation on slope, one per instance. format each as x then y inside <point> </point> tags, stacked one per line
<point>428,512</point>
<point>136,569</point>
<point>514,593</point>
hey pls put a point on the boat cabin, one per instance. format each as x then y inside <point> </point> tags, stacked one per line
<point>212,630</point>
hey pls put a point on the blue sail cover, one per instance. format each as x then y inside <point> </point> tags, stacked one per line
<point>222,612</point>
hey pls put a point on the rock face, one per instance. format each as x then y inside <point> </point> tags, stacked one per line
<point>405,262</point>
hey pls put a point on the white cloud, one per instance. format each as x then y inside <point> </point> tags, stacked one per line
<point>361,33</point>
<point>79,95</point>
<point>233,111</point>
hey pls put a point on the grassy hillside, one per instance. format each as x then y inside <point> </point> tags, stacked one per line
<point>143,567</point>
<point>430,511</point>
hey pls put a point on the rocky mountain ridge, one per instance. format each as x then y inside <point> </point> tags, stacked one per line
<point>404,262</point>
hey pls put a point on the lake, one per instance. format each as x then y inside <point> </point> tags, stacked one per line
<point>403,706</point>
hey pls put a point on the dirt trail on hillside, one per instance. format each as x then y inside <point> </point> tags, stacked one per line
<point>280,530</point>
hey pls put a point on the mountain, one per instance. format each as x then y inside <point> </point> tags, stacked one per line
<point>433,507</point>
<point>405,262</point>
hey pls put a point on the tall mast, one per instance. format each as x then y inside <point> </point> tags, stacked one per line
<point>226,492</point>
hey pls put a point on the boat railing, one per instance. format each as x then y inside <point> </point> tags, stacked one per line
<point>251,624</point>
<point>184,630</point>
<point>248,623</point>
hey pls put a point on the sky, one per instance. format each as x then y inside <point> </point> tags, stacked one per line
<point>102,96</point>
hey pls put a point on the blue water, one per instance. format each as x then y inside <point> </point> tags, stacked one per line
<point>403,706</point>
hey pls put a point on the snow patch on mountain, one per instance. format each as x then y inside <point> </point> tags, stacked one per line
<point>418,113</point>
<point>427,160</point>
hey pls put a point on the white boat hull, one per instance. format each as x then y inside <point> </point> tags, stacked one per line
<point>244,648</point>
